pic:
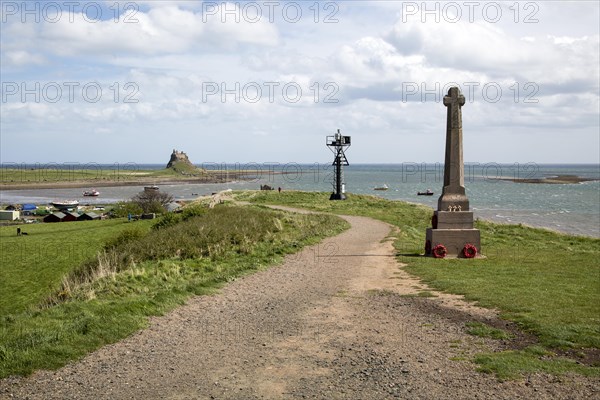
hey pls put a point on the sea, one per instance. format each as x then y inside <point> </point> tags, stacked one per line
<point>570,208</point>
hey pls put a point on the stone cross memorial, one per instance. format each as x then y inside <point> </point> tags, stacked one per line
<point>452,233</point>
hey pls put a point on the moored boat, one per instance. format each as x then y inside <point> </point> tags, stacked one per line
<point>152,188</point>
<point>65,204</point>
<point>382,187</point>
<point>91,193</point>
<point>428,192</point>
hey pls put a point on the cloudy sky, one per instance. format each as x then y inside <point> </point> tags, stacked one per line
<point>118,81</point>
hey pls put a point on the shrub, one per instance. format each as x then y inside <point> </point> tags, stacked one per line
<point>126,236</point>
<point>194,211</point>
<point>169,219</point>
<point>124,208</point>
<point>152,201</point>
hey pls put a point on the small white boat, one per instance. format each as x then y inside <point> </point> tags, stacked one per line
<point>382,187</point>
<point>91,193</point>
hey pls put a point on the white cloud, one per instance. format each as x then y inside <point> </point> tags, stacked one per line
<point>20,57</point>
<point>159,31</point>
<point>370,54</point>
<point>184,4</point>
<point>466,46</point>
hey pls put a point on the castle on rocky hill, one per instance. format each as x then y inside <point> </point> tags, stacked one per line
<point>178,157</point>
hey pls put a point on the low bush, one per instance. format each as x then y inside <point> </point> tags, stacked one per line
<point>124,208</point>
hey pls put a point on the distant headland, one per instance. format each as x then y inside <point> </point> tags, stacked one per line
<point>554,180</point>
<point>179,169</point>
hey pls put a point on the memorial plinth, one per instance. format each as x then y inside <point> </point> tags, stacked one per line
<point>452,223</point>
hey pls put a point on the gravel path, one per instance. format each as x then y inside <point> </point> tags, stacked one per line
<point>330,323</point>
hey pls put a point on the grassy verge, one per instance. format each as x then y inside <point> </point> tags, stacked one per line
<point>32,265</point>
<point>143,272</point>
<point>483,330</point>
<point>545,281</point>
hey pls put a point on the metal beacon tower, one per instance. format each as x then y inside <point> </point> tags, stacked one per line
<point>338,144</point>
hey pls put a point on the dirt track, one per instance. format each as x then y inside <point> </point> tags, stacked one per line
<point>329,323</point>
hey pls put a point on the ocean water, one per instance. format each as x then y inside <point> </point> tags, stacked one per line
<point>570,208</point>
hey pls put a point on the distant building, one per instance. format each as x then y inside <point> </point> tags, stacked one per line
<point>70,216</point>
<point>9,215</point>
<point>56,217</point>
<point>88,216</point>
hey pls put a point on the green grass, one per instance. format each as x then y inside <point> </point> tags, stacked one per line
<point>181,167</point>
<point>515,363</point>
<point>140,273</point>
<point>33,265</point>
<point>547,282</point>
<point>53,174</point>
<point>95,175</point>
<point>484,330</point>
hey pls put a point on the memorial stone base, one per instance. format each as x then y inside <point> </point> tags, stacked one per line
<point>454,230</point>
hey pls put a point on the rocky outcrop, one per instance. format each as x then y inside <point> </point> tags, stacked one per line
<point>181,164</point>
<point>178,157</point>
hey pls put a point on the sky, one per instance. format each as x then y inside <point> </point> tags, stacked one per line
<point>267,81</point>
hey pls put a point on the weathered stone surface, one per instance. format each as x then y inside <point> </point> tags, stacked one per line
<point>453,193</point>
<point>454,220</point>
<point>454,240</point>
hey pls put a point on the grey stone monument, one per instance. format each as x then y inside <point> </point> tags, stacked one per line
<point>452,223</point>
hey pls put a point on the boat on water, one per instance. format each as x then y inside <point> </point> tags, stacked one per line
<point>65,204</point>
<point>428,192</point>
<point>91,193</point>
<point>152,188</point>
<point>382,187</point>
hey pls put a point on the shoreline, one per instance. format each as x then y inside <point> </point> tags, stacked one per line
<point>145,181</point>
<point>88,184</point>
<point>223,177</point>
<point>215,177</point>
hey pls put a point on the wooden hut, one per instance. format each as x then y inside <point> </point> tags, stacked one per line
<point>88,216</point>
<point>55,217</point>
<point>70,216</point>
